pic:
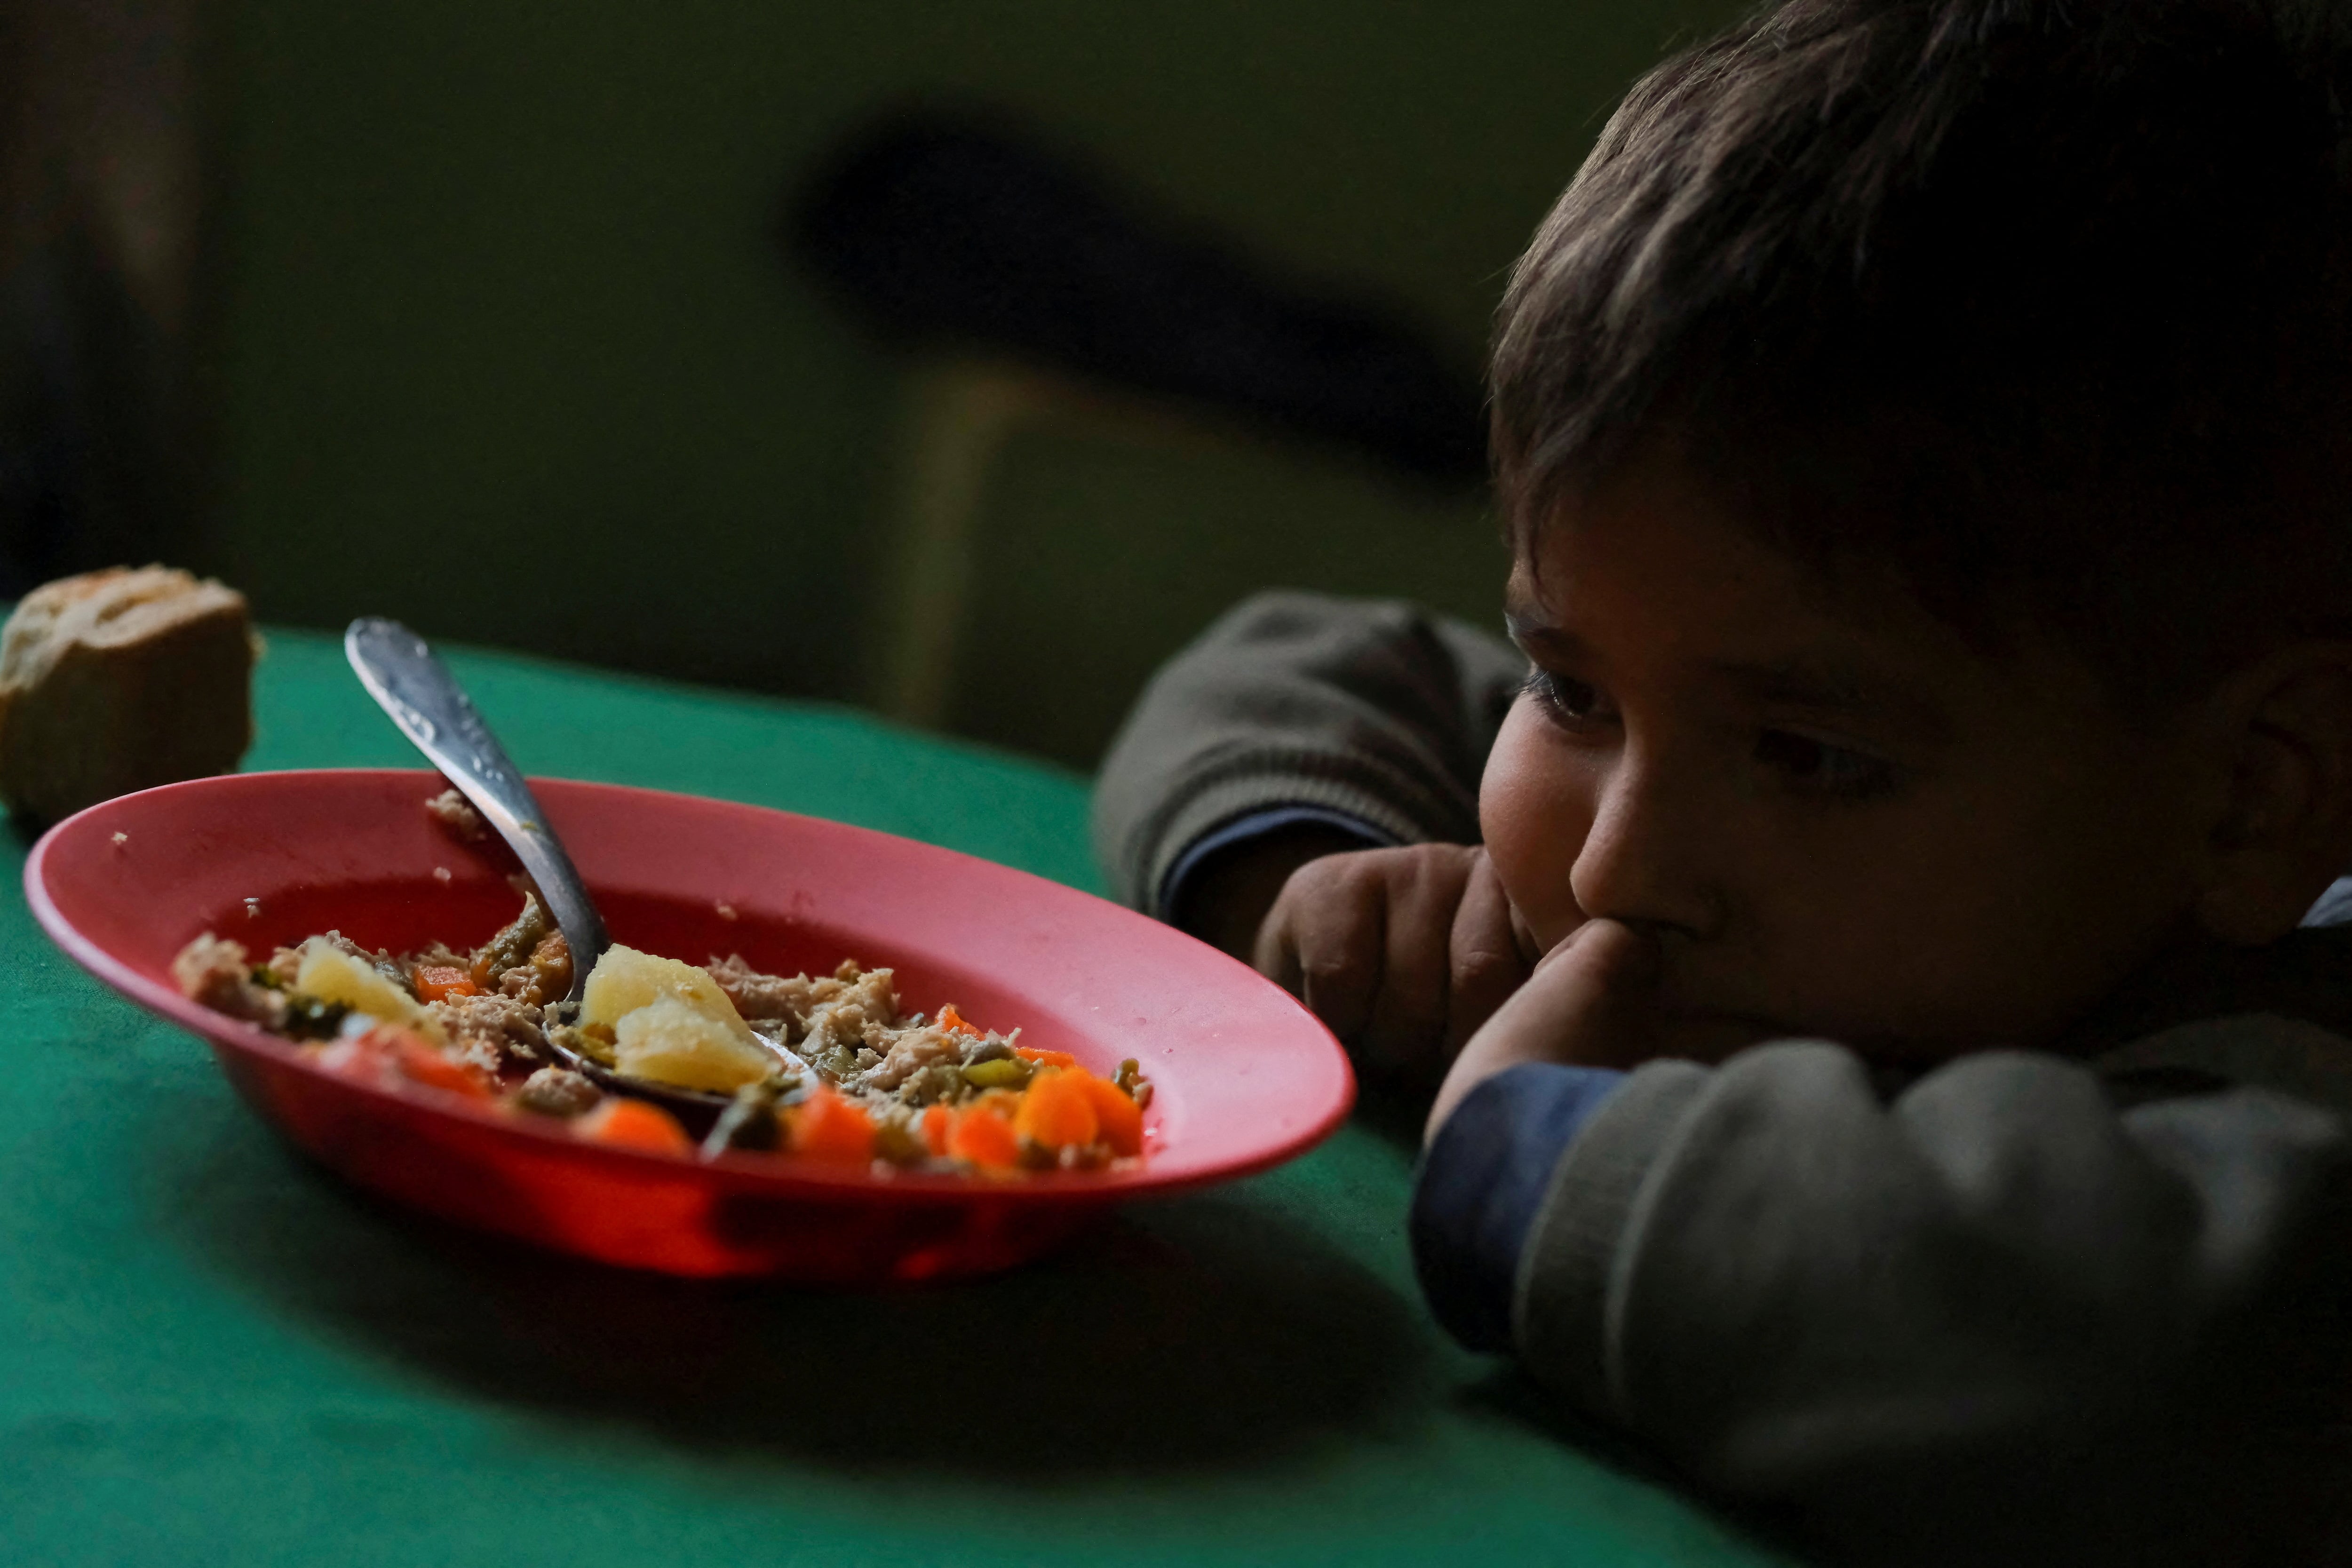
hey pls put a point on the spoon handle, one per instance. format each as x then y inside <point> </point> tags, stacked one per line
<point>433,710</point>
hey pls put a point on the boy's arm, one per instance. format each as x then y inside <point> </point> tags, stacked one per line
<point>1297,725</point>
<point>1995,1314</point>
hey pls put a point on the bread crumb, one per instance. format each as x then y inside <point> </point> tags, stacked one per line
<point>120,839</point>
<point>441,875</point>
<point>726,910</point>
<point>253,909</point>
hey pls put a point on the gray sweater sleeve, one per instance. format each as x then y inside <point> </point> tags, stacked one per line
<point>1995,1315</point>
<point>1374,709</point>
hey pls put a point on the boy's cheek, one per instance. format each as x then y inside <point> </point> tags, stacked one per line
<point>1534,818</point>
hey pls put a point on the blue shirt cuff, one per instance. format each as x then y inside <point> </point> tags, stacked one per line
<point>1481,1183</point>
<point>1257,824</point>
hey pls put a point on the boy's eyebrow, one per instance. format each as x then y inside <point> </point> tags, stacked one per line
<point>1524,624</point>
<point>1539,638</point>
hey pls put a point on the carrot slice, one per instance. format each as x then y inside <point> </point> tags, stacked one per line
<point>439,982</point>
<point>825,1126</point>
<point>634,1124</point>
<point>1120,1120</point>
<point>1057,1111</point>
<point>937,1123</point>
<point>421,1061</point>
<point>985,1138</point>
<point>1046,1058</point>
<point>954,1023</point>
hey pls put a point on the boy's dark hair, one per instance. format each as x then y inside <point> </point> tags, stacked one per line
<point>2043,303</point>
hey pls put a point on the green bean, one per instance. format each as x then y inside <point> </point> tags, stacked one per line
<point>750,1121</point>
<point>1006,1072</point>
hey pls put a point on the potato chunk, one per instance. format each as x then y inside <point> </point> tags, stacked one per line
<point>331,974</point>
<point>670,1041</point>
<point>671,1023</point>
<point>625,980</point>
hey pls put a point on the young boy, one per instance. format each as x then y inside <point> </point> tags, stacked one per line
<point>1891,1061</point>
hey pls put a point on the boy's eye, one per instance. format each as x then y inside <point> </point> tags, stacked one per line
<point>1572,701</point>
<point>1824,768</point>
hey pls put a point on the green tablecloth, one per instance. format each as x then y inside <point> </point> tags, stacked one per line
<point>210,1352</point>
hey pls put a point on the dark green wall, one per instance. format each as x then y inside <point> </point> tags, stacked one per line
<point>509,351</point>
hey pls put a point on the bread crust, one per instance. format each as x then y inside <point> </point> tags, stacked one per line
<point>118,680</point>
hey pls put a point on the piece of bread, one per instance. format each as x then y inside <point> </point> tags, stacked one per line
<point>121,679</point>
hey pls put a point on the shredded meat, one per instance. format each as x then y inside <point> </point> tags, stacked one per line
<point>556,1091</point>
<point>928,1086</point>
<point>216,974</point>
<point>455,813</point>
<point>491,1028</point>
<point>758,995</point>
<point>871,989</point>
<point>842,1022</point>
<point>851,1006</point>
<point>909,1054</point>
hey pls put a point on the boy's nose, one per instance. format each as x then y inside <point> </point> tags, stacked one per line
<point>1642,860</point>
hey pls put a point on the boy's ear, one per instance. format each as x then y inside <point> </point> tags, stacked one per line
<point>2284,831</point>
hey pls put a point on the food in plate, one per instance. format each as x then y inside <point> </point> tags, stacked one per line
<point>832,1068</point>
<point>116,681</point>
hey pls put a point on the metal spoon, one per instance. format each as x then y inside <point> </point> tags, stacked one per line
<point>433,712</point>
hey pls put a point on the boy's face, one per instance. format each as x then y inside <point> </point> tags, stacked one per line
<point>1839,819</point>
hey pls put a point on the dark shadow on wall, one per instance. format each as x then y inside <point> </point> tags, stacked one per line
<point>962,234</point>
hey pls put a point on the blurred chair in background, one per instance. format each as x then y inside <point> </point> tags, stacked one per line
<point>1033,303</point>
<point>101,186</point>
<point>954,233</point>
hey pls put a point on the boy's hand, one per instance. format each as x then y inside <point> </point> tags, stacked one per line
<point>1225,901</point>
<point>1401,952</point>
<point>1589,1003</point>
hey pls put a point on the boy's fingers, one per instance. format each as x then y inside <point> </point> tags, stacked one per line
<point>1276,955</point>
<point>1592,994</point>
<point>1401,953</point>
<point>1483,955</point>
<point>1224,902</point>
<point>1586,1005</point>
<point>1322,943</point>
<point>1276,951</point>
<point>1406,1034</point>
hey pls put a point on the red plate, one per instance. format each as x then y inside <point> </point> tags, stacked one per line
<point>1244,1077</point>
